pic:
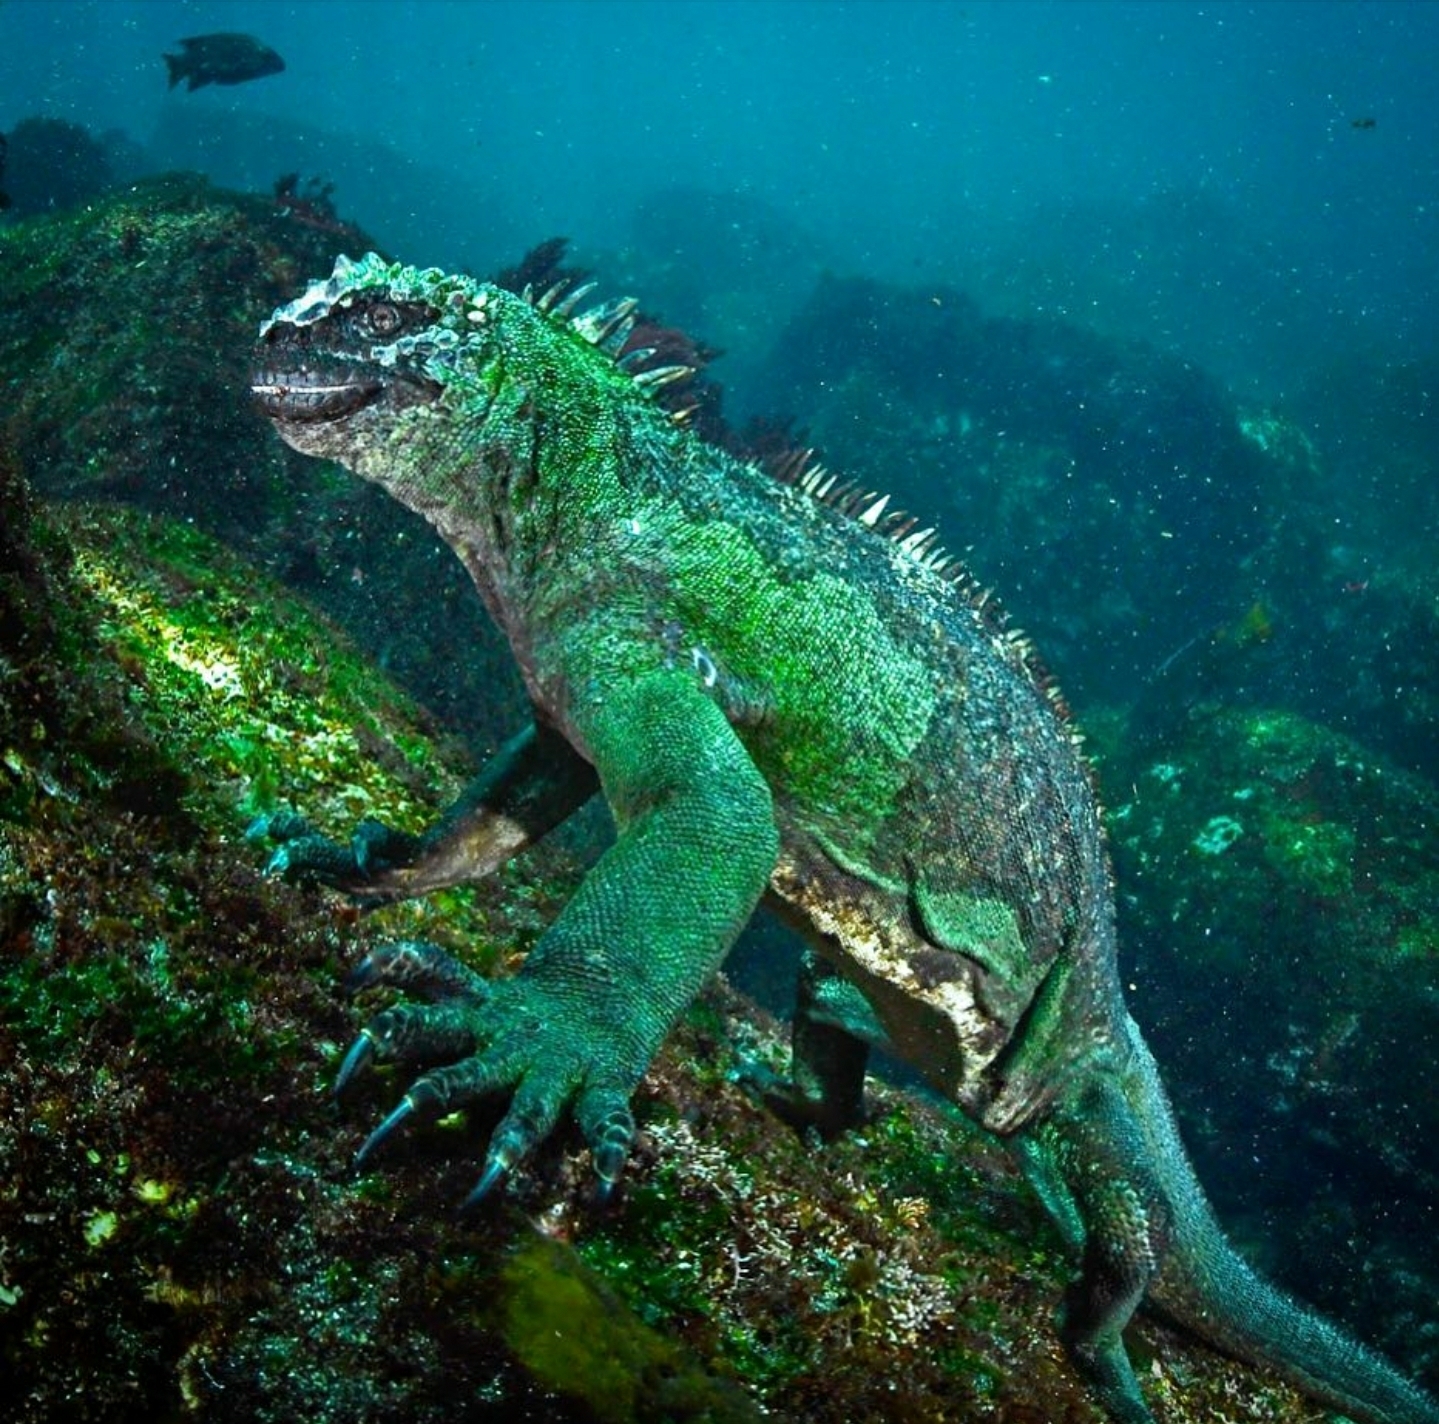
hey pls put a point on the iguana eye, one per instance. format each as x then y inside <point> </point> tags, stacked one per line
<point>384,319</point>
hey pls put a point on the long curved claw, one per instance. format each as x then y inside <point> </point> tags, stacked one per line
<point>365,975</point>
<point>406,1107</point>
<point>361,1054</point>
<point>532,1117</point>
<point>411,1033</point>
<point>494,1173</point>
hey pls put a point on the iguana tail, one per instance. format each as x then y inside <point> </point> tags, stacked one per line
<point>1110,1165</point>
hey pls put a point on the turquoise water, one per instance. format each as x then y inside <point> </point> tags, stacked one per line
<point>944,141</point>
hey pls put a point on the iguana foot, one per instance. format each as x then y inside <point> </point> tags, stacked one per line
<point>520,1036</point>
<point>802,1108</point>
<point>359,869</point>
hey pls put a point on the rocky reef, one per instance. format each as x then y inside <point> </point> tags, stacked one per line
<point>126,369</point>
<point>182,1233</point>
<point>1285,878</point>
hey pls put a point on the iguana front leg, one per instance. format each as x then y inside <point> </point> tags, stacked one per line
<point>578,1026</point>
<point>535,781</point>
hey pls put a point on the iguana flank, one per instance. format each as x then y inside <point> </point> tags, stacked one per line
<point>777,701</point>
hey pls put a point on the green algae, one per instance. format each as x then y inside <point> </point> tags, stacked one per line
<point>573,1334</point>
<point>246,684</point>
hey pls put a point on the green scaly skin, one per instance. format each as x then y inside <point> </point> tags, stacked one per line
<point>776,700</point>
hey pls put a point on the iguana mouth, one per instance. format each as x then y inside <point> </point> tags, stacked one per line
<point>309,395</point>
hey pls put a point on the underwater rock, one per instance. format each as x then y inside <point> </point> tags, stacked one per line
<point>126,350</point>
<point>1279,916</point>
<point>1344,626</point>
<point>184,1234</point>
<point>56,730</point>
<point>52,165</point>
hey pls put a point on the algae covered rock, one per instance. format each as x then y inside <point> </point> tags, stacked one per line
<point>184,1236</point>
<point>1280,916</point>
<point>124,366</point>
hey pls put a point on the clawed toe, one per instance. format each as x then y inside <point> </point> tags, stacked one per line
<point>489,1042</point>
<point>418,966</point>
<point>391,1122</point>
<point>359,1057</point>
<point>609,1128</point>
<point>494,1173</point>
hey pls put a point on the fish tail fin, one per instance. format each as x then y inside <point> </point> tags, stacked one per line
<point>176,65</point>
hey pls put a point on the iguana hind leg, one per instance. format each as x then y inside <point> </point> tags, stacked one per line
<point>830,1038</point>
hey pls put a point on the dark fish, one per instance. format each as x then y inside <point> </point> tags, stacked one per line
<point>222,59</point>
<point>1365,123</point>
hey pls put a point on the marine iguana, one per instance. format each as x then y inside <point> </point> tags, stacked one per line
<point>784,691</point>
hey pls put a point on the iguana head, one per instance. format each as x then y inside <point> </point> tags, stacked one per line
<point>372,354</point>
<point>488,412</point>
<point>433,385</point>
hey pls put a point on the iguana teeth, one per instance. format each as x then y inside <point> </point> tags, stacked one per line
<point>662,376</point>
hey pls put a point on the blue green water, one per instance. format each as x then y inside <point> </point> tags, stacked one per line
<point>940,141</point>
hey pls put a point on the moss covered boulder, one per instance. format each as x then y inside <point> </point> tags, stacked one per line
<point>183,1234</point>
<point>124,376</point>
<point>1280,921</point>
